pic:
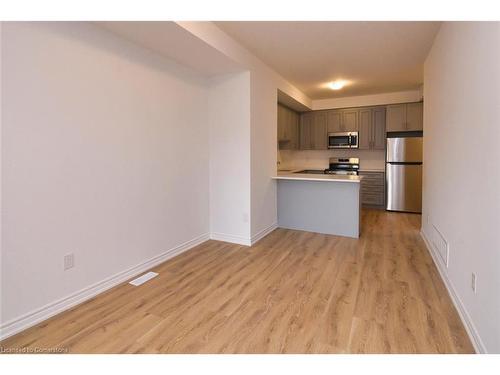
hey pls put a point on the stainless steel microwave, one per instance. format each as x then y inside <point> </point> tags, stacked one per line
<point>343,140</point>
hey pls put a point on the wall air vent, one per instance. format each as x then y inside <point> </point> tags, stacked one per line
<point>440,245</point>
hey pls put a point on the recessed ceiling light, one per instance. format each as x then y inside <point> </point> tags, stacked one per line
<point>337,85</point>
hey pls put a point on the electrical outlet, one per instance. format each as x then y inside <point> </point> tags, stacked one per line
<point>473,283</point>
<point>69,261</point>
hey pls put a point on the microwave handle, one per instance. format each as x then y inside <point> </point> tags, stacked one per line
<point>350,140</point>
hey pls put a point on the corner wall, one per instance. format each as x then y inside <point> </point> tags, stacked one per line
<point>263,154</point>
<point>461,188</point>
<point>104,155</point>
<point>229,134</point>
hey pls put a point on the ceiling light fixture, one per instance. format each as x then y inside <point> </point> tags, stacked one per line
<point>337,85</point>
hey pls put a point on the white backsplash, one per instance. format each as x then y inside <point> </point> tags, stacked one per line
<point>318,159</point>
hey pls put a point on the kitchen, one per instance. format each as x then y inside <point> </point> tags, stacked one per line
<point>377,150</point>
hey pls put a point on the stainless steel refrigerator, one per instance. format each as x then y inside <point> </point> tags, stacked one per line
<point>403,171</point>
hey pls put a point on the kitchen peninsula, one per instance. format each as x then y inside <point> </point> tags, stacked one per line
<point>321,203</point>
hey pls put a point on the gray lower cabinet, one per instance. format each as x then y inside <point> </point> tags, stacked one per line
<point>372,128</point>
<point>373,189</point>
<point>288,128</point>
<point>405,117</point>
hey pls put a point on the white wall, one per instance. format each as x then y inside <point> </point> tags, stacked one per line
<point>461,193</point>
<point>229,116</point>
<point>263,155</point>
<point>243,117</point>
<point>368,100</point>
<point>1,167</point>
<point>105,154</point>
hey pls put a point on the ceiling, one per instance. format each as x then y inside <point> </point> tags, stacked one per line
<point>376,57</point>
<point>170,40</point>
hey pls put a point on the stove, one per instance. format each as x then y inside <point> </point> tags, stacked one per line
<point>345,166</point>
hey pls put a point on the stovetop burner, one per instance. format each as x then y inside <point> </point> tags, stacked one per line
<point>346,166</point>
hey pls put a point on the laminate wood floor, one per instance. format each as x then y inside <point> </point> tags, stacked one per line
<point>293,292</point>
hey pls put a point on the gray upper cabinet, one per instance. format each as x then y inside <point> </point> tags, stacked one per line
<point>344,120</point>
<point>350,120</point>
<point>318,133</point>
<point>292,130</point>
<point>415,116</point>
<point>281,123</point>
<point>365,129</point>
<point>334,119</point>
<point>306,120</point>
<point>372,128</point>
<point>378,128</point>
<point>288,128</point>
<point>396,118</point>
<point>313,129</point>
<point>405,117</point>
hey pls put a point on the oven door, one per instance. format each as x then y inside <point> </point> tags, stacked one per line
<point>339,140</point>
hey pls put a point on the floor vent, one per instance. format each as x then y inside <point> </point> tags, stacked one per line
<point>142,279</point>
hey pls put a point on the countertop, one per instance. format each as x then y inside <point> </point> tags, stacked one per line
<point>371,170</point>
<point>290,175</point>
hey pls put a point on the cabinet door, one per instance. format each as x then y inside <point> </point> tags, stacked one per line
<point>281,123</point>
<point>334,119</point>
<point>318,133</point>
<point>415,116</point>
<point>293,130</point>
<point>372,189</point>
<point>396,118</point>
<point>350,120</point>
<point>305,131</point>
<point>365,129</point>
<point>288,128</point>
<point>287,134</point>
<point>378,129</point>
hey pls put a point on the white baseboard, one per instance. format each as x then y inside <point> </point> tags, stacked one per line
<point>240,240</point>
<point>264,232</point>
<point>30,319</point>
<point>462,312</point>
